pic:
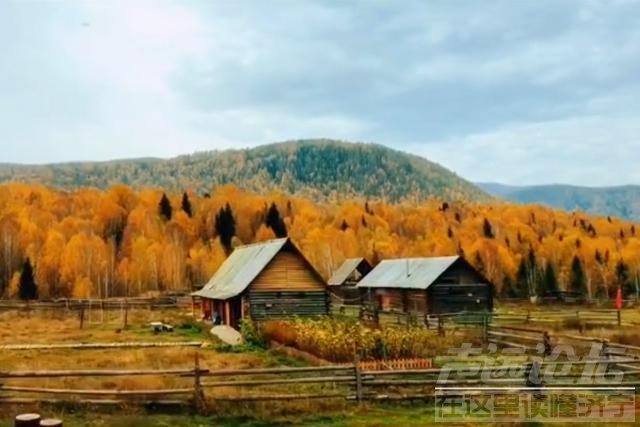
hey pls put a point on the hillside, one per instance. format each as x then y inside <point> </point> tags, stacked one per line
<point>622,201</point>
<point>123,241</point>
<point>319,169</point>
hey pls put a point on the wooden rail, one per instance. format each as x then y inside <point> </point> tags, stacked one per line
<point>98,345</point>
<point>351,383</point>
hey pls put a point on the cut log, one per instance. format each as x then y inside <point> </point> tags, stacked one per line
<point>51,422</point>
<point>27,420</point>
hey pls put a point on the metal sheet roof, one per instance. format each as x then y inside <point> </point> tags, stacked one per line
<point>341,274</point>
<point>238,271</point>
<point>407,273</point>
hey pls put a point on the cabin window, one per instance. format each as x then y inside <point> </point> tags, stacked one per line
<point>384,302</point>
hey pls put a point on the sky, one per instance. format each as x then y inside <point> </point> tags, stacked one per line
<point>518,92</point>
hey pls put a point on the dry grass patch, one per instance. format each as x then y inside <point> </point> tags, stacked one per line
<point>49,327</point>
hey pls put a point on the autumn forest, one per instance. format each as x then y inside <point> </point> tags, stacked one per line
<point>94,243</point>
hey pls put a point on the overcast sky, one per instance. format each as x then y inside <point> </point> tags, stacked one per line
<point>519,92</point>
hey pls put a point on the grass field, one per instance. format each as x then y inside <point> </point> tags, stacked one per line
<point>46,329</point>
<point>366,416</point>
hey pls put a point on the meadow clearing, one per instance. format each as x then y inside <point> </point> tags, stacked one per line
<point>330,338</point>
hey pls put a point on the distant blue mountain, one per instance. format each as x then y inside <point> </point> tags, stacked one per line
<point>621,201</point>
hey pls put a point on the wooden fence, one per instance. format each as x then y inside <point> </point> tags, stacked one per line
<point>575,318</point>
<point>202,387</point>
<point>97,304</point>
<point>530,340</point>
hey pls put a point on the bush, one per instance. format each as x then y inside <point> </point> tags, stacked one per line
<point>252,334</point>
<point>337,340</point>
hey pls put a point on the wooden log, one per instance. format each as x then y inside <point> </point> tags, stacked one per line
<point>507,381</point>
<point>267,371</point>
<point>79,346</point>
<point>339,379</point>
<point>519,337</point>
<point>515,328</point>
<point>358,377</point>
<point>87,392</point>
<point>27,420</point>
<point>94,373</point>
<point>509,343</point>
<point>51,422</point>
<point>279,397</point>
<point>108,402</point>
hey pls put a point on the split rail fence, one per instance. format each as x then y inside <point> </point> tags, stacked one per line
<point>97,310</point>
<point>201,388</point>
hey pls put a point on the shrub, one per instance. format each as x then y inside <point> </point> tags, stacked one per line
<point>337,339</point>
<point>252,334</point>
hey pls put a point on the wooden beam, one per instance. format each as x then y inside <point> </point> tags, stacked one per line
<point>336,379</point>
<point>132,344</point>
<point>94,373</point>
<point>82,392</point>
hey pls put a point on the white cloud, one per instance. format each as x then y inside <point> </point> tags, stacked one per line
<point>593,150</point>
<point>542,91</point>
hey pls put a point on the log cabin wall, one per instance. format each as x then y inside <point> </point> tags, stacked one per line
<point>287,287</point>
<point>460,288</point>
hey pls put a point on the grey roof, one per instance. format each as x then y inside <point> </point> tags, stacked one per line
<point>392,273</point>
<point>240,269</point>
<point>344,271</point>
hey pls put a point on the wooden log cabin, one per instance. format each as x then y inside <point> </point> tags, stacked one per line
<point>427,286</point>
<point>262,281</point>
<point>342,283</point>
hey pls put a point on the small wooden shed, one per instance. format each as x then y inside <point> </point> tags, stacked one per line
<point>342,284</point>
<point>265,280</point>
<point>427,286</point>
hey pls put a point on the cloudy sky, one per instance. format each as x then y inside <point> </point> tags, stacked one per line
<point>511,91</point>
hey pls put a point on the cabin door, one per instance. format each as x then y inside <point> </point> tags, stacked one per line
<point>236,311</point>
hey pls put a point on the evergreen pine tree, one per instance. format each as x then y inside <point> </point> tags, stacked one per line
<point>275,222</point>
<point>624,278</point>
<point>186,204</point>
<point>550,281</point>
<point>165,207</point>
<point>225,225</point>
<point>578,280</point>
<point>487,230</point>
<point>27,286</point>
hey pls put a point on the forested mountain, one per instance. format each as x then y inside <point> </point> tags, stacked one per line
<point>621,201</point>
<point>319,169</point>
<point>122,241</point>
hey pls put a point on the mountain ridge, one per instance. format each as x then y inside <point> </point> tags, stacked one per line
<point>621,200</point>
<point>319,168</point>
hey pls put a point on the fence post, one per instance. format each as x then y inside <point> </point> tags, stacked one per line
<point>198,395</point>
<point>619,319</point>
<point>440,326</point>
<point>485,328</point>
<point>528,317</point>
<point>126,314</point>
<point>356,365</point>
<point>81,315</point>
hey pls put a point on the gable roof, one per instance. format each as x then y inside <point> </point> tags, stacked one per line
<point>345,270</point>
<point>392,273</point>
<point>240,269</point>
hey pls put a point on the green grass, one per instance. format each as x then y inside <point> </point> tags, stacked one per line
<point>379,416</point>
<point>370,416</point>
